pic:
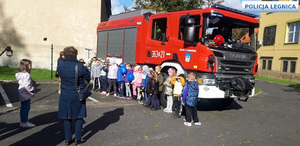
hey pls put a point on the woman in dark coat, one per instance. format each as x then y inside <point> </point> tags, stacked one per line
<point>69,105</point>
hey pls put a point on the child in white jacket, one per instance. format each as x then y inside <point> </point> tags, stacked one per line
<point>169,90</point>
<point>112,77</point>
<point>25,90</point>
<point>95,74</point>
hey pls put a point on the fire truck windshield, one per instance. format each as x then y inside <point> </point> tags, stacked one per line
<point>229,34</point>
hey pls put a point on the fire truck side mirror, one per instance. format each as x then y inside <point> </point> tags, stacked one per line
<point>189,33</point>
<point>189,30</point>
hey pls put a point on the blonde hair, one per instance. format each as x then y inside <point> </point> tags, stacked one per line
<point>191,76</point>
<point>24,65</point>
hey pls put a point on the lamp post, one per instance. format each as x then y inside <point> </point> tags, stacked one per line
<point>51,61</point>
<point>9,51</point>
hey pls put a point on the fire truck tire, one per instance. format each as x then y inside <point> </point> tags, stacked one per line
<point>219,104</point>
<point>162,98</point>
<point>225,103</point>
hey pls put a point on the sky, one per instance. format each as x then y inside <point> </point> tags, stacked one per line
<point>118,5</point>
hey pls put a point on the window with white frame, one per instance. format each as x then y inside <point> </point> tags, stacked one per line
<point>293,32</point>
<point>266,63</point>
<point>289,64</point>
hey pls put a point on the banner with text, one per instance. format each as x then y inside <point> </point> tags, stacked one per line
<point>270,6</point>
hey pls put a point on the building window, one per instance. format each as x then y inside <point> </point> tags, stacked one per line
<point>267,63</point>
<point>285,66</point>
<point>293,67</point>
<point>264,64</point>
<point>293,32</point>
<point>269,35</point>
<point>289,64</point>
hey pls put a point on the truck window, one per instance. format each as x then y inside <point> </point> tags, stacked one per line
<point>227,33</point>
<point>159,28</point>
<point>181,26</point>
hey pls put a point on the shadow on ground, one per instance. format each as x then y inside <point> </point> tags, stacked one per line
<point>54,133</point>
<point>51,135</point>
<point>293,88</point>
<point>217,104</point>
<point>11,90</point>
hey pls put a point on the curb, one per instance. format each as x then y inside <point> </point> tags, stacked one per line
<point>36,81</point>
<point>257,93</point>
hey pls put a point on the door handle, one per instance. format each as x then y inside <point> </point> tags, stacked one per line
<point>163,44</point>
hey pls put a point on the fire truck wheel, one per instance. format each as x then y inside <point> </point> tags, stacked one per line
<point>224,103</point>
<point>163,100</point>
<point>219,104</point>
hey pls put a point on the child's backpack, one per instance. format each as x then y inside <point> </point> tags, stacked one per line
<point>177,88</point>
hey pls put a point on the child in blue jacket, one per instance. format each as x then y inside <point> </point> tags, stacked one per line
<point>121,83</point>
<point>127,82</point>
<point>190,100</point>
<point>103,79</point>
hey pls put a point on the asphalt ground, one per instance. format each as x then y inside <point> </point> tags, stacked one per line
<point>270,118</point>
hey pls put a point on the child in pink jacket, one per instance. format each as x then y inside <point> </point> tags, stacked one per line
<point>138,78</point>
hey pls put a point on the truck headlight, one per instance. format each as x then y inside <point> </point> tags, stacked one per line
<point>206,81</point>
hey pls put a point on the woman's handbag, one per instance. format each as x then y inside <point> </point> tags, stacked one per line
<point>85,92</point>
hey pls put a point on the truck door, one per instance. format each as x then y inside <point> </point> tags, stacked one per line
<point>157,41</point>
<point>187,52</point>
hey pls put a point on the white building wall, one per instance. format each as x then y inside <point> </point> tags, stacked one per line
<point>25,23</point>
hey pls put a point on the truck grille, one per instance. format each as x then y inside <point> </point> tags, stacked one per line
<point>240,63</point>
<point>228,62</point>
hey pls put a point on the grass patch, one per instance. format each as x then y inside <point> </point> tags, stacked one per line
<point>7,73</point>
<point>278,81</point>
<point>257,90</point>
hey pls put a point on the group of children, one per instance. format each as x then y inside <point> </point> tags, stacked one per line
<point>147,86</point>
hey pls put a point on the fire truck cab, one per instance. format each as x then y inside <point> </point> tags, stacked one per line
<point>205,41</point>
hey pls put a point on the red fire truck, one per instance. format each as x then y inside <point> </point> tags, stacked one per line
<point>205,41</point>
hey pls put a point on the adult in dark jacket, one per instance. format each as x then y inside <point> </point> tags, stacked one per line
<point>69,105</point>
<point>152,89</point>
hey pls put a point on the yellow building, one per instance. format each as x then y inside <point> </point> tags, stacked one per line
<point>279,55</point>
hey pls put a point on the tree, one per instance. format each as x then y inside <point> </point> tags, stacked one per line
<point>126,9</point>
<point>208,3</point>
<point>174,5</point>
<point>168,5</point>
<point>155,5</point>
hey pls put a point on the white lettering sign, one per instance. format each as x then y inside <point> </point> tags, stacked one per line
<point>188,50</point>
<point>158,54</point>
